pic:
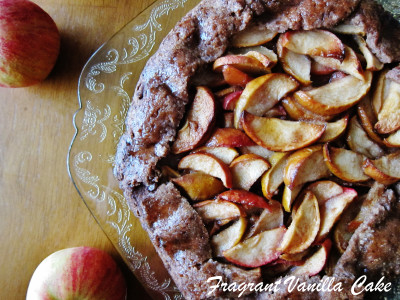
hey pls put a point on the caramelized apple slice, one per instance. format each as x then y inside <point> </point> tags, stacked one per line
<point>385,170</point>
<point>299,112</point>
<point>304,227</point>
<point>345,164</point>
<point>246,169</point>
<point>335,97</point>
<point>380,91</point>
<point>348,29</point>
<point>217,210</point>
<point>271,181</point>
<point>334,129</point>
<point>315,42</point>
<point>199,122</point>
<point>230,100</point>
<point>315,263</point>
<point>266,56</point>
<point>255,149</point>
<point>358,140</point>
<point>254,35</point>
<point>350,65</point>
<point>234,76</point>
<point>225,154</point>
<point>280,135</point>
<point>289,196</point>
<point>258,250</point>
<point>244,63</point>
<point>389,117</point>
<point>245,198</point>
<point>262,93</point>
<point>269,219</point>
<point>305,165</point>
<point>373,63</point>
<point>228,237</point>
<point>229,137</point>
<point>199,186</point>
<point>209,164</point>
<point>393,140</point>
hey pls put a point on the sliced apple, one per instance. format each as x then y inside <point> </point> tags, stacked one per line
<point>393,140</point>
<point>169,172</point>
<point>373,62</point>
<point>256,34</point>
<point>289,196</point>
<point>296,64</point>
<point>280,135</point>
<point>385,170</point>
<point>305,165</point>
<point>269,219</point>
<point>299,112</point>
<point>247,64</point>
<point>335,97</point>
<point>228,120</point>
<point>350,65</point>
<point>304,227</point>
<point>263,93</point>
<point>199,186</point>
<point>348,29</point>
<point>258,250</point>
<point>315,42</point>
<point>380,91</point>
<point>209,164</point>
<point>229,137</point>
<point>217,210</point>
<point>230,100</point>
<point>247,169</point>
<point>296,257</point>
<point>388,116</point>
<point>199,122</point>
<point>234,76</point>
<point>268,58</point>
<point>345,164</point>
<point>245,198</point>
<point>228,237</point>
<point>255,149</point>
<point>225,154</point>
<point>334,130</point>
<point>227,90</point>
<point>368,118</point>
<point>325,190</point>
<point>272,180</point>
<point>315,263</point>
<point>319,69</point>
<point>359,141</point>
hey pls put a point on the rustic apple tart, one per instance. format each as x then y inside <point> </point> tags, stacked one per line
<point>261,151</point>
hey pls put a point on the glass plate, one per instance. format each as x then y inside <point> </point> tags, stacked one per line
<point>105,89</point>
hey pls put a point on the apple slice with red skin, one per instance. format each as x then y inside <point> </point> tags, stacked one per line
<point>199,186</point>
<point>252,36</point>
<point>228,237</point>
<point>319,69</point>
<point>266,56</point>
<point>245,198</point>
<point>305,165</point>
<point>209,164</point>
<point>217,210</point>
<point>258,250</point>
<point>345,164</point>
<point>315,263</point>
<point>304,227</point>
<point>225,154</point>
<point>220,94</point>
<point>247,169</point>
<point>359,141</point>
<point>269,219</point>
<point>246,64</point>
<point>263,93</point>
<point>199,122</point>
<point>385,169</point>
<point>333,199</point>
<point>315,42</point>
<point>335,97</point>
<point>230,100</point>
<point>229,137</point>
<point>234,76</point>
<point>281,135</point>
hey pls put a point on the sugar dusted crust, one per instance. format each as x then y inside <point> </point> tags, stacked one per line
<point>158,106</point>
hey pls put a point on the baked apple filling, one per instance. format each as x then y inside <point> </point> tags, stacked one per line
<point>281,144</point>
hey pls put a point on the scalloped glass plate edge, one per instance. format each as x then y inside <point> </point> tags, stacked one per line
<point>105,87</point>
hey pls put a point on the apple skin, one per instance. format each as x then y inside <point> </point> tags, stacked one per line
<point>77,273</point>
<point>29,43</point>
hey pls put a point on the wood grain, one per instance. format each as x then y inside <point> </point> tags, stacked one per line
<point>40,210</point>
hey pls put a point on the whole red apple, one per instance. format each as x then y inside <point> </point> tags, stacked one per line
<point>29,43</point>
<point>77,273</point>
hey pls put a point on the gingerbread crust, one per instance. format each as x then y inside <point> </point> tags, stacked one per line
<point>158,106</point>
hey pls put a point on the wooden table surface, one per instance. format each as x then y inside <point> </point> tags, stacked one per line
<point>40,209</point>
